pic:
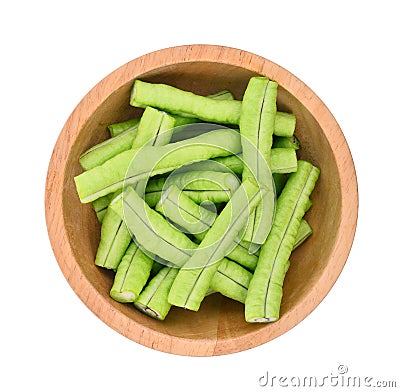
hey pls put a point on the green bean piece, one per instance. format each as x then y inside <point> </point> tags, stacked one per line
<point>151,231</point>
<point>200,186</point>
<point>283,160</point>
<point>135,136</point>
<point>220,95</point>
<point>106,150</point>
<point>194,278</point>
<point>303,233</point>
<point>153,300</point>
<point>286,142</point>
<point>208,182</point>
<point>265,290</point>
<point>150,161</point>
<point>155,128</point>
<point>257,123</point>
<point>285,124</point>
<point>193,129</point>
<point>233,163</point>
<point>100,206</point>
<point>132,274</point>
<point>181,121</point>
<point>185,103</point>
<point>154,190</point>
<point>121,127</point>
<point>241,255</point>
<point>212,165</point>
<point>182,133</point>
<point>114,240</point>
<point>177,101</point>
<point>115,129</point>
<point>183,211</point>
<point>231,280</point>
<point>196,219</point>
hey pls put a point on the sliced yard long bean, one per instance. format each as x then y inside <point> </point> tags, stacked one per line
<point>150,161</point>
<point>104,151</point>
<point>233,163</point>
<point>100,206</point>
<point>221,95</point>
<point>240,254</point>
<point>283,160</point>
<point>285,124</point>
<point>257,122</point>
<point>132,274</point>
<point>200,186</point>
<point>152,231</point>
<point>153,300</point>
<point>209,180</point>
<point>121,127</point>
<point>114,240</point>
<point>183,211</point>
<point>174,100</point>
<point>231,280</point>
<point>155,128</point>
<point>132,136</point>
<point>196,220</point>
<point>193,280</point>
<point>265,289</point>
<point>177,101</point>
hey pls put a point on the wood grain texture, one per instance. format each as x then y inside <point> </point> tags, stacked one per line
<point>219,327</point>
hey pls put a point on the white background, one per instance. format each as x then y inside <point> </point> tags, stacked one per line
<point>53,53</point>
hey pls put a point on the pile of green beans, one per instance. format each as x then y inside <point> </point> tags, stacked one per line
<point>200,195</point>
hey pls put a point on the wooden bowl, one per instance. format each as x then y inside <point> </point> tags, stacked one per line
<point>219,326</point>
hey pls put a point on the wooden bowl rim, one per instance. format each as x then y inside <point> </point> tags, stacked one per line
<point>57,227</point>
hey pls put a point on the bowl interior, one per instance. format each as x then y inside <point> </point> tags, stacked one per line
<point>218,316</point>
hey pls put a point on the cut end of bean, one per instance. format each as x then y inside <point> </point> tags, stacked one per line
<point>262,320</point>
<point>124,297</point>
<point>150,312</point>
